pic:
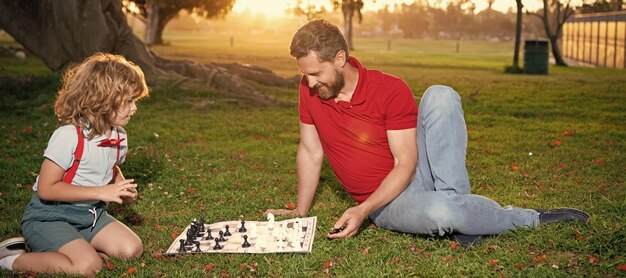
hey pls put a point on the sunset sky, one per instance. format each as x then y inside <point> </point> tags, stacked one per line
<point>277,7</point>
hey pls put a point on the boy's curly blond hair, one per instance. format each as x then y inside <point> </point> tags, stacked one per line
<point>95,90</point>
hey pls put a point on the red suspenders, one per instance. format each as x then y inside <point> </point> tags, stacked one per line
<point>78,155</point>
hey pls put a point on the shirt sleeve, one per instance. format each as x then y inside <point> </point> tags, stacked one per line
<point>401,110</point>
<point>303,105</point>
<point>61,146</point>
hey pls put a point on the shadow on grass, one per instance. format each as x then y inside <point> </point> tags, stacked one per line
<point>145,166</point>
<point>20,94</point>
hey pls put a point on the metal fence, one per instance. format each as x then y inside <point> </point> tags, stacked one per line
<point>596,39</point>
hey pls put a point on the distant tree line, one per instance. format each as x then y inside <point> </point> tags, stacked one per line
<point>458,20</point>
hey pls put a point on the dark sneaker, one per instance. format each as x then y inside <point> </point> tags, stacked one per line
<point>12,246</point>
<point>467,240</point>
<point>562,215</point>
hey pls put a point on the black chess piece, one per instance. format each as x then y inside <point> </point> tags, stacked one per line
<point>243,227</point>
<point>208,234</point>
<point>217,244</point>
<point>221,238</point>
<point>182,246</point>
<point>245,244</point>
<point>201,224</point>
<point>190,237</point>
<point>197,246</point>
<point>227,232</point>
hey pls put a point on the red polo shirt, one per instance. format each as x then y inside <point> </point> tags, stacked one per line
<point>354,134</point>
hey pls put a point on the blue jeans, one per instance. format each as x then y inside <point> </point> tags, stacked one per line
<point>438,200</point>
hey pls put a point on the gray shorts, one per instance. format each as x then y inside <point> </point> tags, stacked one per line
<point>47,226</point>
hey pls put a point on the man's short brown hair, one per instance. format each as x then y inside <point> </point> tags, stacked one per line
<point>320,36</point>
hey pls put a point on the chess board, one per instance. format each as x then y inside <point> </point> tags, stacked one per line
<point>287,236</point>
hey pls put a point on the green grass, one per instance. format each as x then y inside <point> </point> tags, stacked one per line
<point>236,162</point>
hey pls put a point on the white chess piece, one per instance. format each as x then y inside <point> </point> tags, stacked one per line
<point>298,228</point>
<point>270,221</point>
<point>261,243</point>
<point>252,232</point>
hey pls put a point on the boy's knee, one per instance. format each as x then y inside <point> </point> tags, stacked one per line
<point>88,266</point>
<point>132,250</point>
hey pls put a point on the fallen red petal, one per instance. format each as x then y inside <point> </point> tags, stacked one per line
<point>593,259</point>
<point>110,265</point>
<point>490,247</point>
<point>540,258</point>
<point>131,270</point>
<point>290,205</point>
<point>493,262</point>
<point>454,245</point>
<point>566,133</point>
<point>394,261</point>
<point>514,167</point>
<point>622,267</point>
<point>174,235</point>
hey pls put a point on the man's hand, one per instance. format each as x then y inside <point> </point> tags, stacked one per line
<point>349,223</point>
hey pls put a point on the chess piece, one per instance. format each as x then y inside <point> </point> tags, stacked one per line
<point>182,249</point>
<point>245,244</point>
<point>262,243</point>
<point>208,234</point>
<point>253,232</point>
<point>243,227</point>
<point>190,236</point>
<point>201,224</point>
<point>227,232</point>
<point>197,246</point>
<point>270,221</point>
<point>221,238</point>
<point>217,244</point>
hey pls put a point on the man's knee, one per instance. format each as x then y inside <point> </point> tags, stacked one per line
<point>444,216</point>
<point>437,95</point>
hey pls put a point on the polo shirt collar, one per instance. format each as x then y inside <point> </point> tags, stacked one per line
<point>358,97</point>
<point>99,137</point>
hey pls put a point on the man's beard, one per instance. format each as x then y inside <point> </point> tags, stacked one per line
<point>328,91</point>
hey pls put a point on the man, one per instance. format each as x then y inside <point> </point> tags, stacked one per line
<point>364,121</point>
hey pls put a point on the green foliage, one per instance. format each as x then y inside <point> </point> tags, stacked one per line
<point>192,154</point>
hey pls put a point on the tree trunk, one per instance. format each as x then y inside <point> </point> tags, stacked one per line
<point>518,34</point>
<point>62,33</point>
<point>556,51</point>
<point>152,22</point>
<point>347,25</point>
<point>553,36</point>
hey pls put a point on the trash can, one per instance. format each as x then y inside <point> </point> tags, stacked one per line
<point>536,56</point>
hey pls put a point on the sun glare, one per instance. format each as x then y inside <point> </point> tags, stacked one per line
<point>279,8</point>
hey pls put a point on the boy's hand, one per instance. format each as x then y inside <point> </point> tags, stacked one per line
<point>132,198</point>
<point>118,192</point>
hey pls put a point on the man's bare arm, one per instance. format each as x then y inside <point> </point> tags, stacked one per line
<point>403,146</point>
<point>309,162</point>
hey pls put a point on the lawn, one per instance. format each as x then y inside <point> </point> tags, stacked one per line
<point>228,162</point>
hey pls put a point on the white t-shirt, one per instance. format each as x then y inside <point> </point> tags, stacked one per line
<point>96,164</point>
